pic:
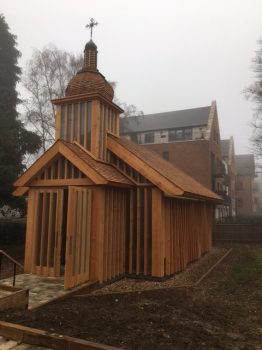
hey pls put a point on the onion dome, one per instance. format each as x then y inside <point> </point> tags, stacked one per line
<point>88,79</point>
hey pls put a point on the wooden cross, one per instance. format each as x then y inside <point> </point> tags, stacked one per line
<point>91,25</point>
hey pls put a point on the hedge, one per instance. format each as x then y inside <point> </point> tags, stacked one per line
<point>12,233</point>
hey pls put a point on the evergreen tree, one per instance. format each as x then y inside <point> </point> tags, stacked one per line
<point>15,140</point>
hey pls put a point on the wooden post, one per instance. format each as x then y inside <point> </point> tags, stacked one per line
<point>95,128</point>
<point>30,231</point>
<point>58,123</point>
<point>157,234</point>
<point>97,234</point>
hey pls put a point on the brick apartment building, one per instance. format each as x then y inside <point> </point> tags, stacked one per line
<point>245,186</point>
<point>229,160</point>
<point>190,139</point>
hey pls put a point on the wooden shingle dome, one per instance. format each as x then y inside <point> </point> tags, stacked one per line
<point>88,79</point>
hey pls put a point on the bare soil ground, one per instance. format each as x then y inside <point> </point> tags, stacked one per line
<point>222,312</point>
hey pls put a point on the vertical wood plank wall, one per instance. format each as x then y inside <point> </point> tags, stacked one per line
<point>138,231</point>
<point>187,230</point>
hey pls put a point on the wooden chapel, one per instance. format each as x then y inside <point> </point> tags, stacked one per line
<point>102,206</point>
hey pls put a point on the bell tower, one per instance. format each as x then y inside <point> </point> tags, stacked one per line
<point>86,114</point>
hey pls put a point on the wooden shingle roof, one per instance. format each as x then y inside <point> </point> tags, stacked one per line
<point>163,174</point>
<point>107,171</point>
<point>98,172</point>
<point>89,80</point>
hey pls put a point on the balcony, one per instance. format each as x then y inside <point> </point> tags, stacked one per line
<point>227,199</point>
<point>227,180</point>
<point>217,174</point>
<point>221,193</point>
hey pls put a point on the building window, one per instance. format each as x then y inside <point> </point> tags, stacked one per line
<point>256,200</point>
<point>239,186</point>
<point>166,155</point>
<point>188,134</point>
<point>179,135</point>
<point>150,138</point>
<point>172,135</point>
<point>239,202</point>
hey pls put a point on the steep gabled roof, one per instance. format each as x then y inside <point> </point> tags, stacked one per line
<point>167,120</point>
<point>99,173</point>
<point>163,174</point>
<point>225,147</point>
<point>245,164</point>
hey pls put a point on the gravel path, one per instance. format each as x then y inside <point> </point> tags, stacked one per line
<point>190,275</point>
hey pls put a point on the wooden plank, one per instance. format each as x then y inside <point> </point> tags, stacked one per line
<point>131,228</point>
<point>62,182</point>
<point>30,231</point>
<point>118,206</point>
<point>78,123</point>
<point>89,211</point>
<point>49,233</point>
<point>97,234</point>
<point>157,238</point>
<point>59,168</point>
<point>102,133</point>
<point>110,233</point>
<point>105,253</point>
<point>69,237</point>
<point>16,300</point>
<point>122,232</point>
<point>83,245</point>
<point>114,226</point>
<point>44,222</point>
<point>117,124</point>
<point>58,123</point>
<point>20,191</point>
<point>85,126</point>
<point>95,128</point>
<point>138,232</point>
<point>145,231</point>
<point>44,339</point>
<point>66,121</point>
<point>58,230</point>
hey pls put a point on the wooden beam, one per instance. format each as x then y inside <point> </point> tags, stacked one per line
<point>20,191</point>
<point>61,182</point>
<point>40,165</point>
<point>87,97</point>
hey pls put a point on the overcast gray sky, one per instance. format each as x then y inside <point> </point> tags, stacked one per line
<point>166,55</point>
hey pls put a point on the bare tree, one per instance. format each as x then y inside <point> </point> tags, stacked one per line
<point>253,93</point>
<point>46,77</point>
